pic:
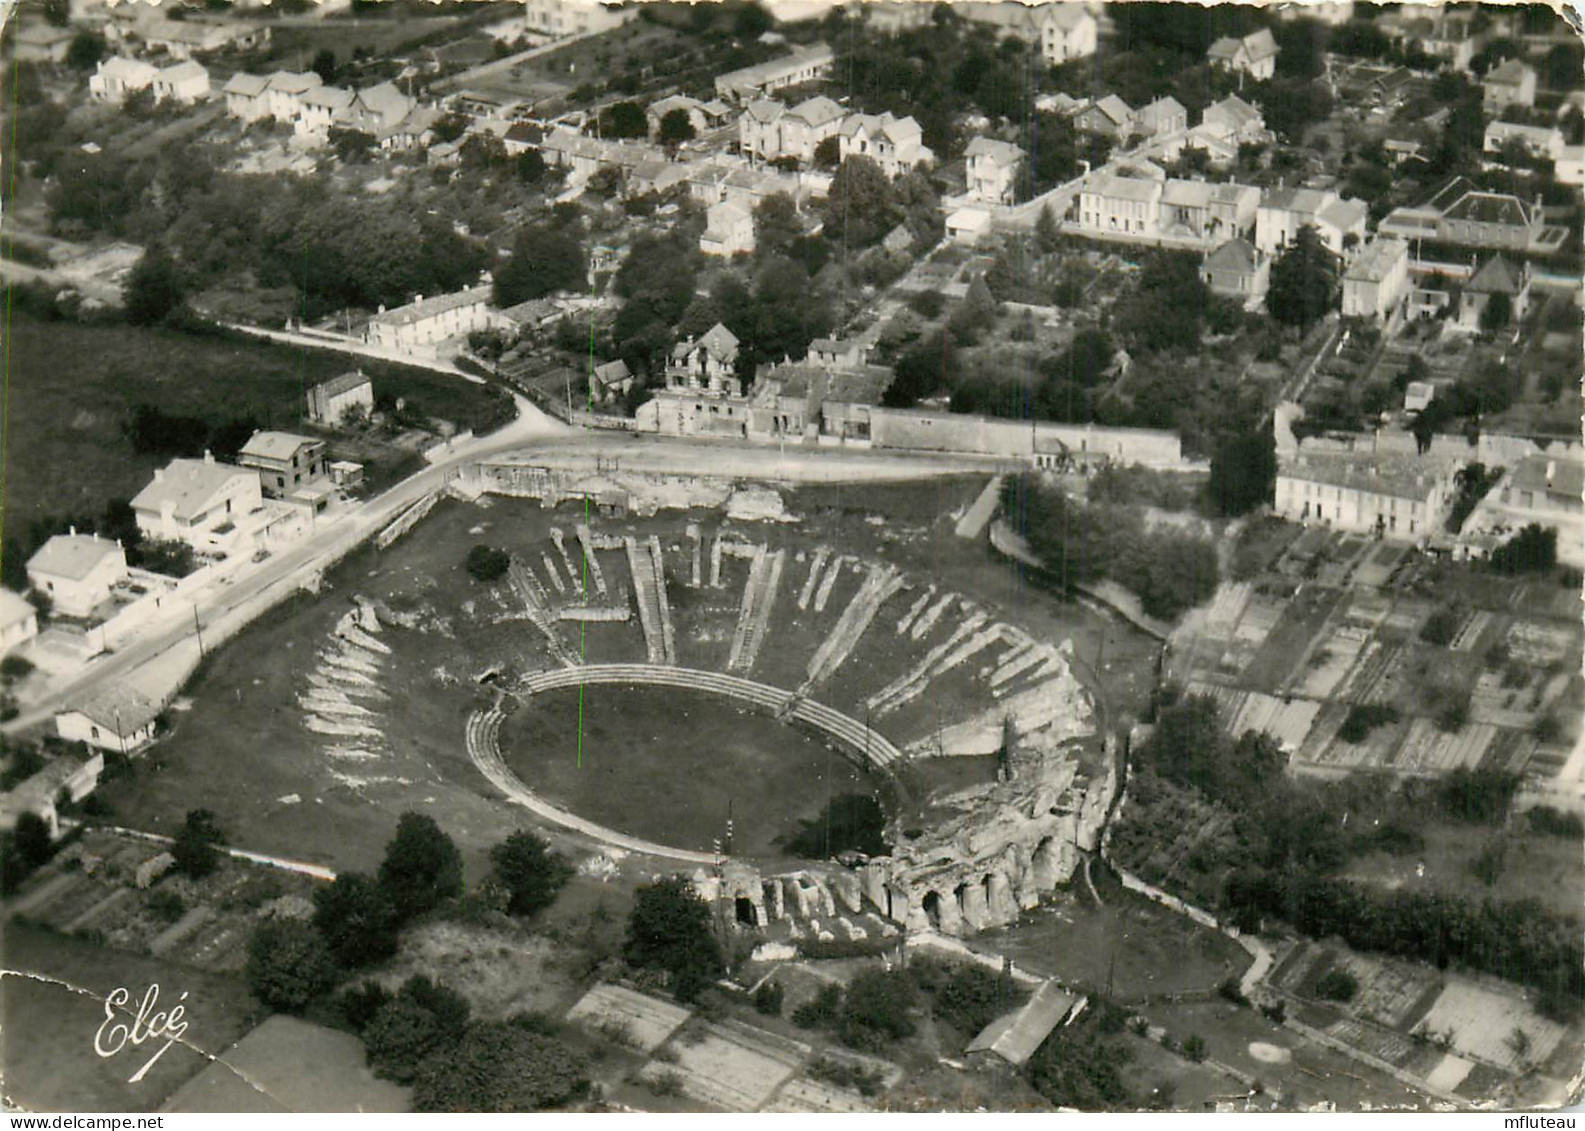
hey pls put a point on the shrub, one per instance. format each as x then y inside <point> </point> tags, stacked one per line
<point>1364,718</point>
<point>1232,991</point>
<point>768,999</point>
<point>289,964</point>
<point>876,1010</point>
<point>359,1004</point>
<point>485,563</point>
<point>1194,1047</point>
<point>165,905</point>
<point>821,1011</point>
<point>1336,985</point>
<point>1553,822</point>
<point>529,871</point>
<point>194,847</point>
<point>1442,627</point>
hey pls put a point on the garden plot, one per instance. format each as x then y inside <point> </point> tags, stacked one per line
<point>1485,1024</point>
<point>732,1067</point>
<point>1332,660</point>
<point>645,1022</point>
<point>1428,750</point>
<point>1288,721</point>
<point>1374,570</point>
<point>1539,645</point>
<point>1491,701</point>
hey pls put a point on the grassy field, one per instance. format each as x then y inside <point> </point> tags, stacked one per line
<point>48,1040</point>
<point>669,765</point>
<point>71,387</point>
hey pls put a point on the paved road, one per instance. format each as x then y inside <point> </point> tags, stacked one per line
<point>160,662</point>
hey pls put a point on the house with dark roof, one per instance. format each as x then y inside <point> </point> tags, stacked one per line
<point>1459,213</point>
<point>895,144</point>
<point>703,394</point>
<point>1496,277</point>
<point>827,397</point>
<point>78,572</point>
<point>1108,117</point>
<point>610,379</point>
<point>1238,270</point>
<point>378,108</point>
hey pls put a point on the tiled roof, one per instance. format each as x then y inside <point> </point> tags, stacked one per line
<point>817,111</point>
<point>1383,473</point>
<point>127,69</point>
<point>1186,194</point>
<point>187,485</point>
<point>1237,109</point>
<point>72,556</point>
<point>183,71</point>
<point>431,307</point>
<point>765,110</point>
<point>1124,188</point>
<point>1115,109</point>
<point>118,709</point>
<point>1015,1036</point>
<point>1373,263</point>
<point>1496,276</point>
<point>1234,255</point>
<point>1510,73</point>
<point>1224,48</point>
<point>275,445</point>
<point>1002,152</point>
<point>1567,481</point>
<point>338,385</point>
<point>386,101</point>
<point>1489,208</point>
<point>332,98</point>
<point>245,84</point>
<point>294,82</point>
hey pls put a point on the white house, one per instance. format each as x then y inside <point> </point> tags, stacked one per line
<point>117,718</point>
<point>377,109</point>
<point>1377,279</point>
<point>247,96</point>
<point>968,225</point>
<point>1283,212</point>
<point>1234,120</point>
<point>286,462</point>
<point>1510,84</point>
<point>425,322</point>
<point>806,125</point>
<point>1569,167</point>
<point>1163,116</point>
<point>1066,30</point>
<point>1110,203</point>
<point>184,82</point>
<point>329,402</point>
<point>19,620</point>
<point>892,143</point>
<point>1394,495</point>
<point>1254,55</point>
<point>1543,488</point>
<point>729,230</point>
<point>199,502</point>
<point>992,169</point>
<point>284,93</point>
<point>1538,141</point>
<point>77,571</point>
<point>115,78</point>
<point>803,64</point>
<point>562,18</point>
<point>321,108</point>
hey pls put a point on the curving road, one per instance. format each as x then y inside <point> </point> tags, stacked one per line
<point>158,663</point>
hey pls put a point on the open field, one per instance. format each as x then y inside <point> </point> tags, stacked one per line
<point>670,765</point>
<point>48,1041</point>
<point>73,387</point>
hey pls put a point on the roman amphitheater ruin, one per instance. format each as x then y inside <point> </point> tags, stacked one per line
<point>711,587</point>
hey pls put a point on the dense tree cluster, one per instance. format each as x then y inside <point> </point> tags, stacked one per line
<point>195,846</point>
<point>501,1066</point>
<point>852,821</point>
<point>529,871</point>
<point>1170,571</point>
<point>669,930</point>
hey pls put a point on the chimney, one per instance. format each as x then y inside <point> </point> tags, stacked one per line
<point>417,299</point>
<point>159,475</point>
<point>209,456</point>
<point>73,529</point>
<point>1551,470</point>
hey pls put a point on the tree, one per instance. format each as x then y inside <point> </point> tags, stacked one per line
<point>154,290</point>
<point>350,145</point>
<point>422,868</point>
<point>624,119</point>
<point>545,259</point>
<point>828,152</point>
<point>669,929</point>
<point>32,841</point>
<point>289,965</point>
<point>194,847</point>
<point>676,127</point>
<point>1047,237</point>
<point>324,65</point>
<point>1532,550</point>
<point>531,167</point>
<point>876,1010</point>
<point>501,1066</point>
<point>1336,985</point>
<point>768,998</point>
<point>859,205</point>
<point>1496,314</point>
<point>57,13</point>
<point>750,21</point>
<point>450,127</point>
<point>357,919</point>
<point>530,871</point>
<point>404,1036</point>
<point>1243,471</point>
<point>486,563</point>
<point>1303,281</point>
<point>85,51</point>
<point>776,224</point>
